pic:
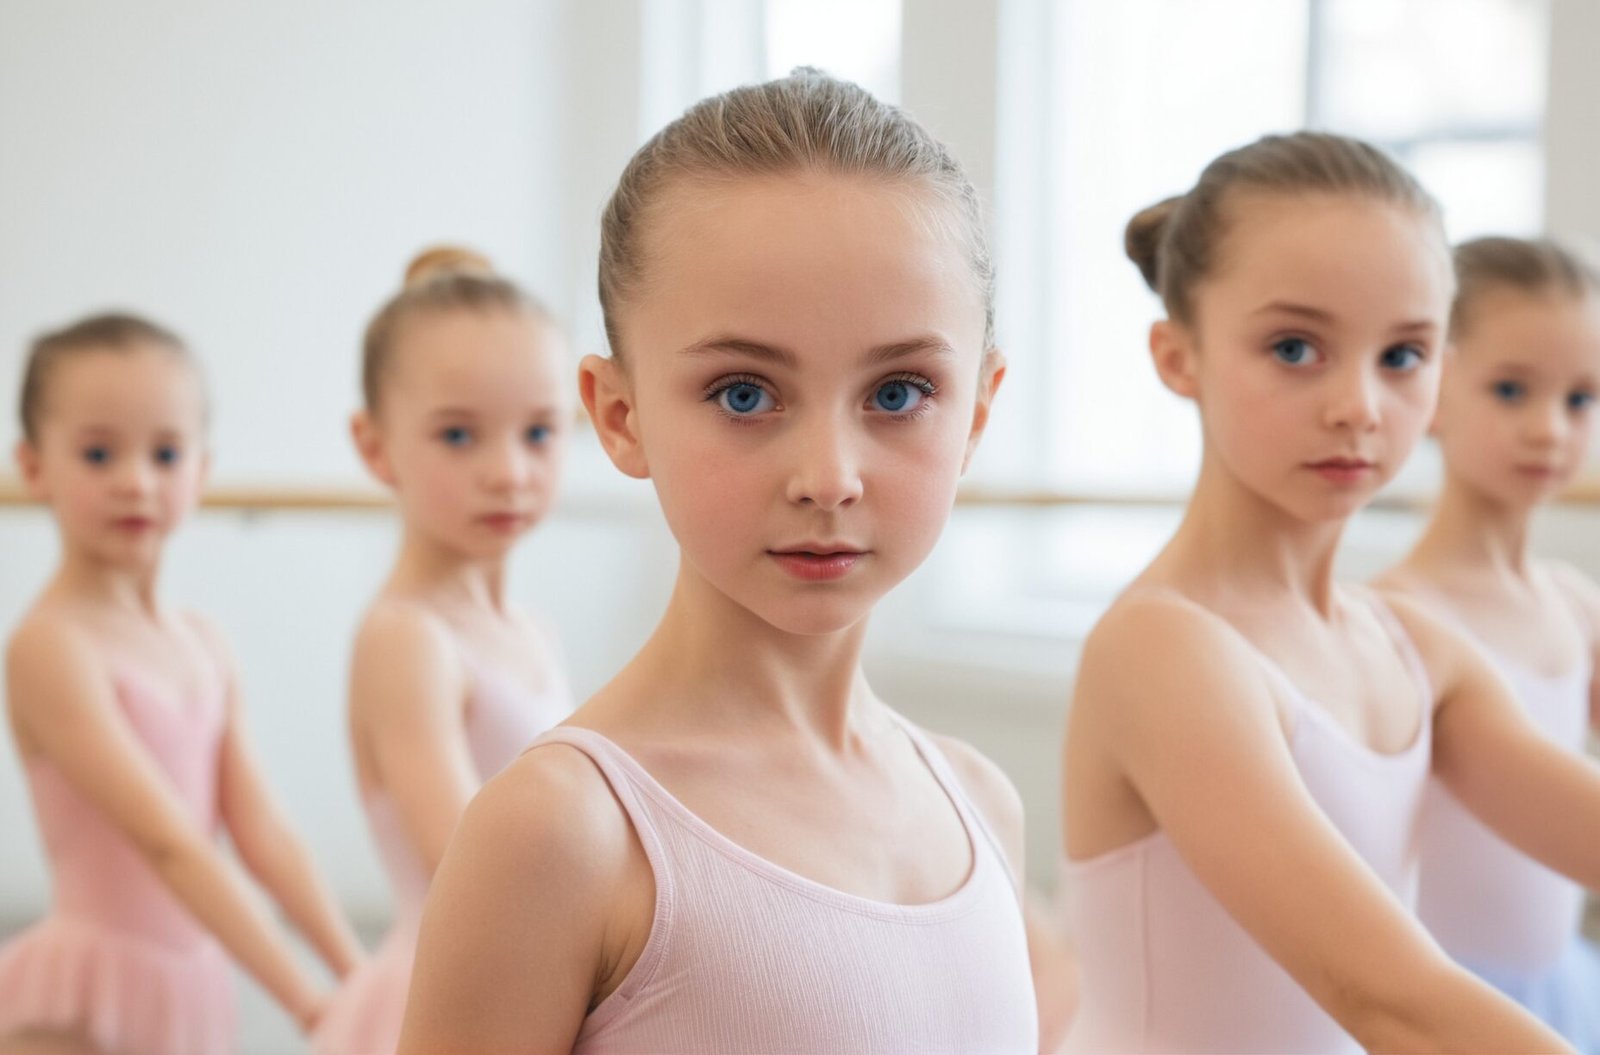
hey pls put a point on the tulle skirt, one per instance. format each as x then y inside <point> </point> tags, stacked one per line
<point>124,992</point>
<point>1566,997</point>
<point>365,1015</point>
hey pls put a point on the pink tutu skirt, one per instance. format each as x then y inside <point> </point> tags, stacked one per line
<point>365,1016</point>
<point>122,991</point>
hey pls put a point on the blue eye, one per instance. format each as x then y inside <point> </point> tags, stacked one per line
<point>899,396</point>
<point>1509,391</point>
<point>97,455</point>
<point>538,435</point>
<point>744,399</point>
<point>1580,401</point>
<point>167,456</point>
<point>455,436</point>
<point>1401,357</point>
<point>1293,351</point>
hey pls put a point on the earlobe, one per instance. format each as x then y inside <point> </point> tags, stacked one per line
<point>989,378</point>
<point>1172,350</point>
<point>27,458</point>
<point>368,439</point>
<point>608,398</point>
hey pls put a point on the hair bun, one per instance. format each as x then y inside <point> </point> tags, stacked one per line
<point>445,260</point>
<point>1141,240</point>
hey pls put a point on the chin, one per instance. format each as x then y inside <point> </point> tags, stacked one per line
<point>814,617</point>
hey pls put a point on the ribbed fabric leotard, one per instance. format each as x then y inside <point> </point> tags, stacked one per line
<point>1500,913</point>
<point>501,719</point>
<point>745,956</point>
<point>119,958</point>
<point>1165,968</point>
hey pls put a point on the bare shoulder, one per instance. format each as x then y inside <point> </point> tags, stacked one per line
<point>549,817</point>
<point>401,644</point>
<point>48,645</point>
<point>991,792</point>
<point>1580,587</point>
<point>1156,647</point>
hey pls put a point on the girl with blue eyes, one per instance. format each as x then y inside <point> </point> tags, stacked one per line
<point>127,717</point>
<point>735,845</point>
<point>1516,414</point>
<point>1250,740</point>
<point>465,419</point>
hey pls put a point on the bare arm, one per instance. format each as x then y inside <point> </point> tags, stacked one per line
<point>522,929</point>
<point>1201,743</point>
<point>1534,793</point>
<point>64,703</point>
<point>267,843</point>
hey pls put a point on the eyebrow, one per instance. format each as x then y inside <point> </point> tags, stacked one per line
<point>1318,315</point>
<point>784,357</point>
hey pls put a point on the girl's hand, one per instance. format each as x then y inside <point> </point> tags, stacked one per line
<point>310,1016</point>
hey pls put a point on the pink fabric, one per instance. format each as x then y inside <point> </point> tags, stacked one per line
<point>745,956</point>
<point>119,958</point>
<point>1165,968</point>
<point>501,719</point>
<point>1486,903</point>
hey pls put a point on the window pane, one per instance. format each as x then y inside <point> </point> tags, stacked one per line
<point>1486,188</point>
<point>858,40</point>
<point>1145,93</point>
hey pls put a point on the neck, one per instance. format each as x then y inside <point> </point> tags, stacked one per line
<point>725,666</point>
<point>1232,543</point>
<point>444,575</point>
<point>1469,529</point>
<point>83,577</point>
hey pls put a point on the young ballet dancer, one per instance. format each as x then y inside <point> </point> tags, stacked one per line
<point>465,419</point>
<point>126,714</point>
<point>1249,740</point>
<point>735,845</point>
<point>1516,413</point>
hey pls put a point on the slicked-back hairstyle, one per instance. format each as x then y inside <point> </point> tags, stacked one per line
<point>438,280</point>
<point>805,122</point>
<point>1174,242</point>
<point>107,331</point>
<point>1534,266</point>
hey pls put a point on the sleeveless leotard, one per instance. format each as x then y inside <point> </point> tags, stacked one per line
<point>746,956</point>
<point>119,958</point>
<point>1165,968</point>
<point>1500,913</point>
<point>501,719</point>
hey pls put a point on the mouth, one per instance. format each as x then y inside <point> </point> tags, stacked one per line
<point>818,562</point>
<point>1343,470</point>
<point>133,525</point>
<point>505,522</point>
<point>1540,472</point>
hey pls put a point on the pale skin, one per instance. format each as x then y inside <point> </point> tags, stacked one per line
<point>469,434</point>
<point>1313,357</point>
<point>119,458</point>
<point>815,388</point>
<point>1515,418</point>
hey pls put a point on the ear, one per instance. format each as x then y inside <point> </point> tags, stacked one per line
<point>990,375</point>
<point>368,439</point>
<point>28,465</point>
<point>1172,347</point>
<point>607,393</point>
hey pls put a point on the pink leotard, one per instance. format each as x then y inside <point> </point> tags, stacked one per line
<point>119,959</point>
<point>746,956</point>
<point>501,719</point>
<point>1165,968</point>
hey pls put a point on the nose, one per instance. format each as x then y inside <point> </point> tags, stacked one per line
<point>507,465</point>
<point>135,476</point>
<point>825,464</point>
<point>1545,424</point>
<point>1353,398</point>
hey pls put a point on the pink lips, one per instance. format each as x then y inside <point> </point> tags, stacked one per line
<point>820,564</point>
<point>1342,470</point>
<point>503,522</point>
<point>133,525</point>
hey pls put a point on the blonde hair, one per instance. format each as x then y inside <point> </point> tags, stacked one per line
<point>439,279</point>
<point>105,332</point>
<point>805,122</point>
<point>1527,265</point>
<point>1174,242</point>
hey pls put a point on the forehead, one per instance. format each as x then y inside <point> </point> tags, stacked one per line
<point>804,259</point>
<point>456,354</point>
<point>1554,330</point>
<point>147,385</point>
<point>1340,253</point>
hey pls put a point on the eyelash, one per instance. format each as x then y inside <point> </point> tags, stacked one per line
<point>713,391</point>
